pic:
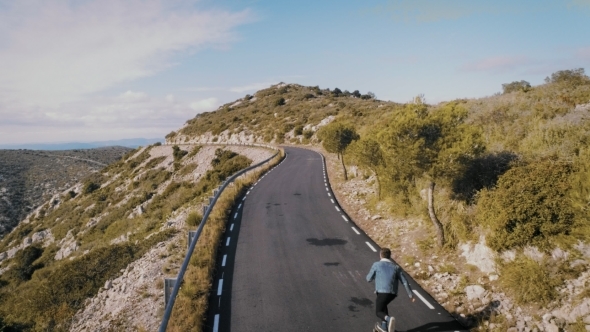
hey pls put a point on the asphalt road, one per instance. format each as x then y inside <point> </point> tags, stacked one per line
<point>291,260</point>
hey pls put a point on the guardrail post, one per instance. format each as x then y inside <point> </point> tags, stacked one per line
<point>205,209</point>
<point>215,192</point>
<point>191,235</point>
<point>169,284</point>
<point>211,200</point>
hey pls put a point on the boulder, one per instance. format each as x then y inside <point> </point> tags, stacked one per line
<point>475,292</point>
<point>480,255</point>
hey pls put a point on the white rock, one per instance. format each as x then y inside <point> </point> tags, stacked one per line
<point>558,254</point>
<point>27,241</point>
<point>534,253</point>
<point>550,327</point>
<point>3,256</point>
<point>475,292</point>
<point>493,277</point>
<point>108,284</point>
<point>417,264</point>
<point>480,255</point>
<point>376,217</point>
<point>508,256</point>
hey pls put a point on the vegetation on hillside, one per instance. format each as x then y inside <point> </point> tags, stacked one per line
<point>28,178</point>
<point>117,216</point>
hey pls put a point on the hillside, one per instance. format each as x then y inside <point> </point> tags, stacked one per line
<point>496,188</point>
<point>95,256</point>
<point>28,178</point>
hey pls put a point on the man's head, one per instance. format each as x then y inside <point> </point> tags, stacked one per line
<point>385,253</point>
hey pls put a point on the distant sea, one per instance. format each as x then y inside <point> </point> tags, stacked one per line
<point>130,143</point>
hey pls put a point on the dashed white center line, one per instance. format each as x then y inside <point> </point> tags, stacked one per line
<point>423,299</point>
<point>243,199</point>
<point>216,324</point>
<point>223,261</point>
<point>337,209</point>
<point>332,200</point>
<point>356,231</point>
<point>235,215</point>
<point>227,242</point>
<point>220,287</point>
<point>344,217</point>
<point>370,246</point>
<point>231,228</point>
<point>326,189</point>
<point>248,192</point>
<point>239,206</point>
<point>329,195</point>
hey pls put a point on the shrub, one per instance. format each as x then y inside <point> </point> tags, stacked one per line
<point>523,86</point>
<point>23,267</point>
<point>528,281</point>
<point>307,134</point>
<point>298,130</point>
<point>279,101</point>
<point>178,153</point>
<point>90,187</point>
<point>194,219</point>
<point>529,206</point>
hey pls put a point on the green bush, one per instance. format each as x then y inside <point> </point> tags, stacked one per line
<point>529,281</point>
<point>90,187</point>
<point>23,264</point>
<point>178,153</point>
<point>194,219</point>
<point>529,206</point>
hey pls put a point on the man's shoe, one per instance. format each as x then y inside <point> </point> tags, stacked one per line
<point>379,328</point>
<point>391,324</point>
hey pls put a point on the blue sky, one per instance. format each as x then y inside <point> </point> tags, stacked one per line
<point>100,70</point>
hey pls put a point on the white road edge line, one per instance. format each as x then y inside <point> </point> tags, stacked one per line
<point>337,209</point>
<point>216,324</point>
<point>224,259</point>
<point>239,206</point>
<point>227,242</point>
<point>344,217</point>
<point>332,200</point>
<point>235,215</point>
<point>356,231</point>
<point>220,287</point>
<point>231,228</point>
<point>423,299</point>
<point>370,246</point>
<point>329,195</point>
<point>243,199</point>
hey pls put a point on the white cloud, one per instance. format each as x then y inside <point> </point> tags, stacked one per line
<point>131,96</point>
<point>58,52</point>
<point>170,98</point>
<point>205,105</point>
<point>58,57</point>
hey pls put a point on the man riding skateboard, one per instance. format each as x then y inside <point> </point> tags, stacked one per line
<point>386,275</point>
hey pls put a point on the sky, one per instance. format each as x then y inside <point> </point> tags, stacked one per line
<point>95,70</point>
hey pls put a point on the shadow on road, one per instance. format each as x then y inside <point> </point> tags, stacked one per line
<point>326,242</point>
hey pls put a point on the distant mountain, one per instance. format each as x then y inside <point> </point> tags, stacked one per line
<point>129,142</point>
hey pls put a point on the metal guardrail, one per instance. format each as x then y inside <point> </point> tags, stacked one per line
<point>197,233</point>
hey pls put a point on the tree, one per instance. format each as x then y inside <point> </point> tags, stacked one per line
<point>337,92</point>
<point>435,143</point>
<point>572,76</point>
<point>523,86</point>
<point>356,94</point>
<point>335,137</point>
<point>367,153</point>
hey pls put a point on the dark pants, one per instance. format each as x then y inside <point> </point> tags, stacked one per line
<point>383,299</point>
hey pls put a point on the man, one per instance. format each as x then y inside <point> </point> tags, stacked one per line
<point>386,274</point>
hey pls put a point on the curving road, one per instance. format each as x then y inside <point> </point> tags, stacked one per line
<point>291,260</point>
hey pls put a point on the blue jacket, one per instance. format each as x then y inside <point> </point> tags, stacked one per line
<point>386,275</point>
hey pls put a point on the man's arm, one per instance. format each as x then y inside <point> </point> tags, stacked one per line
<point>405,283</point>
<point>371,275</point>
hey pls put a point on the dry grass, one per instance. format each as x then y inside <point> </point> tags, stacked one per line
<point>191,304</point>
